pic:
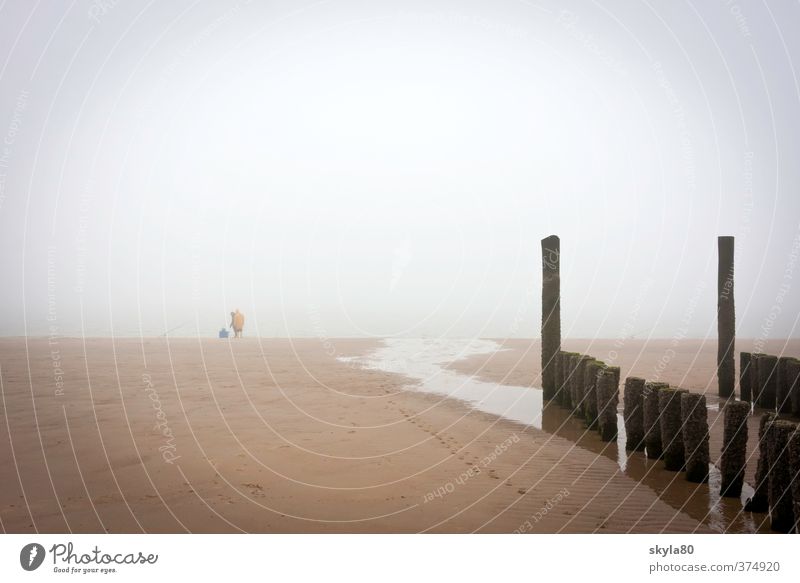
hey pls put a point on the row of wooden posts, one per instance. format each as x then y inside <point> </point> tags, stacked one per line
<point>665,422</point>
<point>672,424</point>
<point>770,382</point>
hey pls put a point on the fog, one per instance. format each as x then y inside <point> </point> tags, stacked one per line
<point>351,168</point>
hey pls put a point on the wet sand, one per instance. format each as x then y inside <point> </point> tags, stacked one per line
<point>182,435</point>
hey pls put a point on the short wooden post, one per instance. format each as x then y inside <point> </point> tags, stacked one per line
<point>794,468</point>
<point>745,382</point>
<point>558,379</point>
<point>794,387</point>
<point>755,380</point>
<point>760,500</point>
<point>607,401</point>
<point>590,385</point>
<point>767,380</point>
<point>574,378</point>
<point>580,385</point>
<point>694,417</point>
<point>780,476</point>
<point>734,448</point>
<point>783,384</point>
<point>652,426</point>
<point>669,410</point>
<point>566,375</point>
<point>633,413</point>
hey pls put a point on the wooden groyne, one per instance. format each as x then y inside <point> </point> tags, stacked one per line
<point>669,425</point>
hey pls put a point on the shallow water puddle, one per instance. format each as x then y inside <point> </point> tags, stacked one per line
<point>425,360</point>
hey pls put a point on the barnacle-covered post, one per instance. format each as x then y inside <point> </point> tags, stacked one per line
<point>745,379</point>
<point>780,476</point>
<point>694,416</point>
<point>767,380</point>
<point>669,411</point>
<point>652,427</point>
<point>734,448</point>
<point>633,413</point>
<point>607,401</point>
<point>783,385</point>
<point>760,499</point>
<point>590,384</point>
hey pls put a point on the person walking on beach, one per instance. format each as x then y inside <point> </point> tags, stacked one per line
<point>237,323</point>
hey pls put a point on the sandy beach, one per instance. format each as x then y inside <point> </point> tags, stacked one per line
<point>182,435</point>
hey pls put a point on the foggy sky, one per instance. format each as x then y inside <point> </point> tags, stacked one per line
<point>353,168</point>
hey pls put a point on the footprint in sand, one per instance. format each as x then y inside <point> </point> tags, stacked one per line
<point>255,489</point>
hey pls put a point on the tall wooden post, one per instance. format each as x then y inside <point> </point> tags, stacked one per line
<point>551,313</point>
<point>726,318</point>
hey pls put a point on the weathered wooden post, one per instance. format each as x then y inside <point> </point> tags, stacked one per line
<point>734,448</point>
<point>755,380</point>
<point>783,385</point>
<point>794,388</point>
<point>694,419</point>
<point>794,468</point>
<point>780,476</point>
<point>574,377</point>
<point>607,401</point>
<point>580,385</point>
<point>669,411</point>
<point>558,379</point>
<point>652,426</point>
<point>583,363</point>
<point>551,312</point>
<point>745,380</point>
<point>726,318</point>
<point>633,413</point>
<point>590,383</point>
<point>760,500</point>
<point>767,380</point>
<point>566,375</point>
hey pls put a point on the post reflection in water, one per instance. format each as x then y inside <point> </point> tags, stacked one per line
<point>700,501</point>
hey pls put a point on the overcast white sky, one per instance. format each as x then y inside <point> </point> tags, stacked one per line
<point>376,168</point>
